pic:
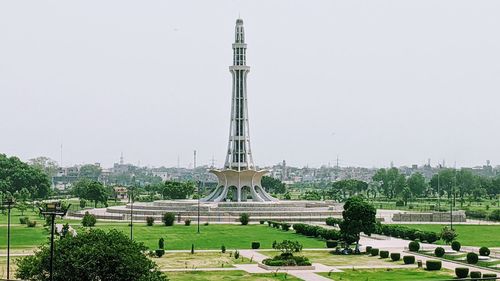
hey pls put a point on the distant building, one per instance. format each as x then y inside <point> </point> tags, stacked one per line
<point>121,192</point>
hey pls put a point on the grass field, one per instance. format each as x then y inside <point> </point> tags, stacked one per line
<point>326,258</point>
<point>468,235</point>
<point>389,275</point>
<point>226,275</point>
<point>177,237</point>
<point>199,260</point>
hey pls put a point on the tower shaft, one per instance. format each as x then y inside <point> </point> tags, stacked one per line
<point>239,154</point>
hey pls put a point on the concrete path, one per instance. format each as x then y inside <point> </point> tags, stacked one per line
<point>200,269</point>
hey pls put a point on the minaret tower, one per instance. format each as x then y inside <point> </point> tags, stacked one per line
<point>239,181</point>
<point>239,155</point>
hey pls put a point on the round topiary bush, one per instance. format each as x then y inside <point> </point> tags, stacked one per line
<point>472,258</point>
<point>395,256</point>
<point>159,252</point>
<point>187,222</point>
<point>455,245</point>
<point>474,275</point>
<point>261,222</point>
<point>150,221</point>
<point>414,246</point>
<point>368,249</point>
<point>374,252</point>
<point>255,245</point>
<point>409,259</point>
<point>439,252</point>
<point>462,272</point>
<point>384,254</point>
<point>244,218</point>
<point>168,219</point>
<point>484,251</point>
<point>433,265</point>
<point>332,243</point>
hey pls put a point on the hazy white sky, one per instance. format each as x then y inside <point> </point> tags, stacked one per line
<point>370,81</point>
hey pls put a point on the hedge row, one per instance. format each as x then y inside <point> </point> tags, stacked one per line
<point>276,224</point>
<point>316,231</point>
<point>331,221</point>
<point>405,232</point>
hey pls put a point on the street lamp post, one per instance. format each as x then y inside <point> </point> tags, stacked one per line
<point>53,209</point>
<point>198,207</point>
<point>9,202</point>
<point>132,209</point>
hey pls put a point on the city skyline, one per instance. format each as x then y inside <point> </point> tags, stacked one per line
<point>350,82</point>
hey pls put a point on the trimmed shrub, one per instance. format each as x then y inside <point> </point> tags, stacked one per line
<point>495,215</point>
<point>374,252</point>
<point>24,220</point>
<point>150,221</point>
<point>244,218</point>
<point>261,222</point>
<point>430,237</point>
<point>395,256</point>
<point>368,249</point>
<point>409,259</point>
<point>31,223</point>
<point>332,243</point>
<point>187,222</point>
<point>384,254</point>
<point>88,220</point>
<point>433,265</point>
<point>455,245</point>
<point>255,245</point>
<point>489,275</point>
<point>400,203</point>
<point>192,249</point>
<point>414,246</point>
<point>331,221</point>
<point>236,254</point>
<point>472,258</point>
<point>330,234</point>
<point>161,243</point>
<point>484,251</point>
<point>159,252</point>
<point>285,226</point>
<point>462,272</point>
<point>439,252</point>
<point>168,219</point>
<point>223,249</point>
<point>475,274</point>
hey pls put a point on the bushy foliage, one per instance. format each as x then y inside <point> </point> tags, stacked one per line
<point>316,231</point>
<point>161,243</point>
<point>384,254</point>
<point>395,256</point>
<point>332,243</point>
<point>368,249</point>
<point>236,254</point>
<point>177,190</point>
<point>331,221</point>
<point>448,235</point>
<point>223,249</point>
<point>462,272</point>
<point>261,222</point>
<point>31,223</point>
<point>474,275</point>
<point>484,251</point>
<point>455,245</point>
<point>495,215</point>
<point>489,275</point>
<point>255,245</point>
<point>159,252</point>
<point>288,246</point>
<point>472,258</point>
<point>284,260</point>
<point>150,221</point>
<point>409,259</point>
<point>374,252</point>
<point>414,246</point>
<point>187,222</point>
<point>405,232</point>
<point>244,218</point>
<point>439,252</point>
<point>285,226</point>
<point>91,255</point>
<point>168,219</point>
<point>23,220</point>
<point>16,175</point>
<point>358,216</point>
<point>88,220</point>
<point>433,265</point>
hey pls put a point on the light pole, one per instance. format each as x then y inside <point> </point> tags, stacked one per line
<point>53,209</point>
<point>132,208</point>
<point>9,202</point>
<point>198,207</point>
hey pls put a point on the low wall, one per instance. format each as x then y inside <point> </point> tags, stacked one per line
<point>458,216</point>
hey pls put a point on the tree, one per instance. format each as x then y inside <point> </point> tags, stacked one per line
<point>90,190</point>
<point>45,164</point>
<point>391,181</point>
<point>349,186</point>
<point>16,175</point>
<point>416,183</point>
<point>178,190</point>
<point>406,195</point>
<point>89,171</point>
<point>448,235</point>
<point>273,185</point>
<point>359,216</point>
<point>91,255</point>
<point>445,180</point>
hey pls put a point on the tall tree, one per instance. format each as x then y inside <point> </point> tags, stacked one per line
<point>90,171</point>
<point>391,181</point>
<point>359,216</point>
<point>273,185</point>
<point>417,184</point>
<point>45,164</point>
<point>90,190</point>
<point>178,190</point>
<point>445,181</point>
<point>16,175</point>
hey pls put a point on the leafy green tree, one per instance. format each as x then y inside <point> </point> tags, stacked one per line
<point>391,181</point>
<point>273,185</point>
<point>92,255</point>
<point>406,195</point>
<point>90,190</point>
<point>178,190</point>
<point>358,216</point>
<point>417,184</point>
<point>45,164</point>
<point>89,171</point>
<point>16,175</point>
<point>348,187</point>
<point>313,195</point>
<point>445,180</point>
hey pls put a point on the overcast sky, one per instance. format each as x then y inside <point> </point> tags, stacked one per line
<point>369,81</point>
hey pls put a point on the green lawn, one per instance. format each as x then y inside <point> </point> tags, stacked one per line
<point>226,275</point>
<point>389,275</point>
<point>468,235</point>
<point>177,237</point>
